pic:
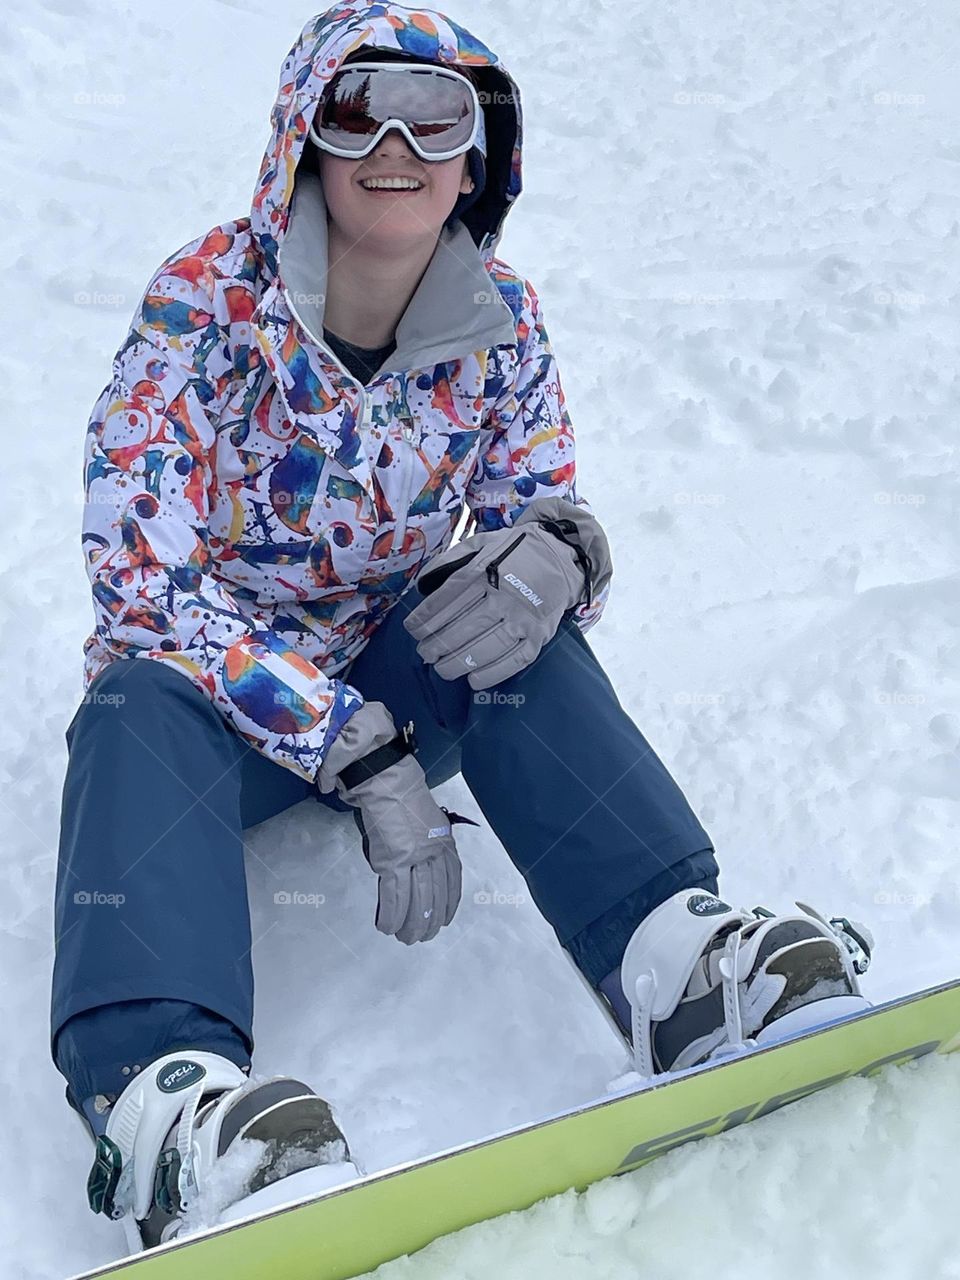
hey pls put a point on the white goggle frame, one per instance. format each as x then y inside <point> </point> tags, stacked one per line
<point>394,123</point>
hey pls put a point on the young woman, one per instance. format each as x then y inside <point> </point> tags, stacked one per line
<point>309,400</point>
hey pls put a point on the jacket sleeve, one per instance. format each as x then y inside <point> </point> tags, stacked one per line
<point>527,449</point>
<point>148,480</point>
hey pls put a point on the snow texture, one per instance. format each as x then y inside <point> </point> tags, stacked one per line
<point>743,225</point>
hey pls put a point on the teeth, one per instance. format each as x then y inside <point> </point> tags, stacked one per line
<point>391,184</point>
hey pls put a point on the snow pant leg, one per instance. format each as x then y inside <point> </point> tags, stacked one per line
<point>586,809</point>
<point>579,799</point>
<point>151,915</point>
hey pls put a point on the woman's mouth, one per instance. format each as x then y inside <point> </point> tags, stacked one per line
<point>391,186</point>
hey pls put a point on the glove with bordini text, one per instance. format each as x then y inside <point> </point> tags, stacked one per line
<point>493,600</point>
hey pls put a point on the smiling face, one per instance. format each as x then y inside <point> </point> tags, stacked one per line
<point>395,219</point>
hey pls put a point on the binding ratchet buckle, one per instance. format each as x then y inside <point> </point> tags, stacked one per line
<point>104,1178</point>
<point>856,939</point>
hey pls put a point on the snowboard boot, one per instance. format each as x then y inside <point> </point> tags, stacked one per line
<point>704,979</point>
<point>192,1124</point>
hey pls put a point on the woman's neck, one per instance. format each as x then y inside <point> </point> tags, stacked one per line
<point>367,292</point>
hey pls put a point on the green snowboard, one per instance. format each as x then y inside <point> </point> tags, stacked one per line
<point>352,1229</point>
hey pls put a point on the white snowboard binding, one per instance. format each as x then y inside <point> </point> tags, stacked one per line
<point>167,1133</point>
<point>704,979</point>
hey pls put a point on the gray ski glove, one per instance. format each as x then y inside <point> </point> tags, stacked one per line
<point>493,600</point>
<point>407,836</point>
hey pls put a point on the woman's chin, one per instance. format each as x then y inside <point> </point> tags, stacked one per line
<point>394,225</point>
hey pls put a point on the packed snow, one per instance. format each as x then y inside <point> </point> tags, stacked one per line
<point>743,225</point>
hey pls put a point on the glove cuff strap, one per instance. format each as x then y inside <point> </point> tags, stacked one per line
<point>404,744</point>
<point>561,529</point>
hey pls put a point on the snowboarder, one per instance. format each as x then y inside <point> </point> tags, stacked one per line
<point>308,401</point>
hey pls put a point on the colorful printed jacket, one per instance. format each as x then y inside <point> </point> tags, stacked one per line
<point>252,511</point>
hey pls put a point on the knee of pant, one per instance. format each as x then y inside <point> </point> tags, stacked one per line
<point>138,681</point>
<point>132,687</point>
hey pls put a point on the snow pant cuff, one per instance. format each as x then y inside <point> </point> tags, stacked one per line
<point>598,949</point>
<point>92,1046</point>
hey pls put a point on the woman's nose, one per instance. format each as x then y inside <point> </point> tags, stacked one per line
<point>393,143</point>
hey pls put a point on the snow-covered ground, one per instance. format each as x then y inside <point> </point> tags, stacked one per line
<point>743,224</point>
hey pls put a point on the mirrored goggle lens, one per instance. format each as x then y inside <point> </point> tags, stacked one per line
<point>438,110</point>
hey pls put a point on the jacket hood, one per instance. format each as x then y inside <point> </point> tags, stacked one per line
<point>322,47</point>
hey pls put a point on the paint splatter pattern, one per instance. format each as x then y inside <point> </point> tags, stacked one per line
<point>244,523</point>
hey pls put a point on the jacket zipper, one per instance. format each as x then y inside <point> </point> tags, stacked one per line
<point>366,416</point>
<point>407,459</point>
<point>365,407</point>
<point>407,465</point>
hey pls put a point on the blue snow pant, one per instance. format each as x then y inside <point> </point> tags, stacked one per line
<point>152,919</point>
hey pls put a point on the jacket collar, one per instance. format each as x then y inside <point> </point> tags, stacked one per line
<point>455,310</point>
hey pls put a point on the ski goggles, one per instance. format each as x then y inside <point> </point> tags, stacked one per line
<point>436,110</point>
